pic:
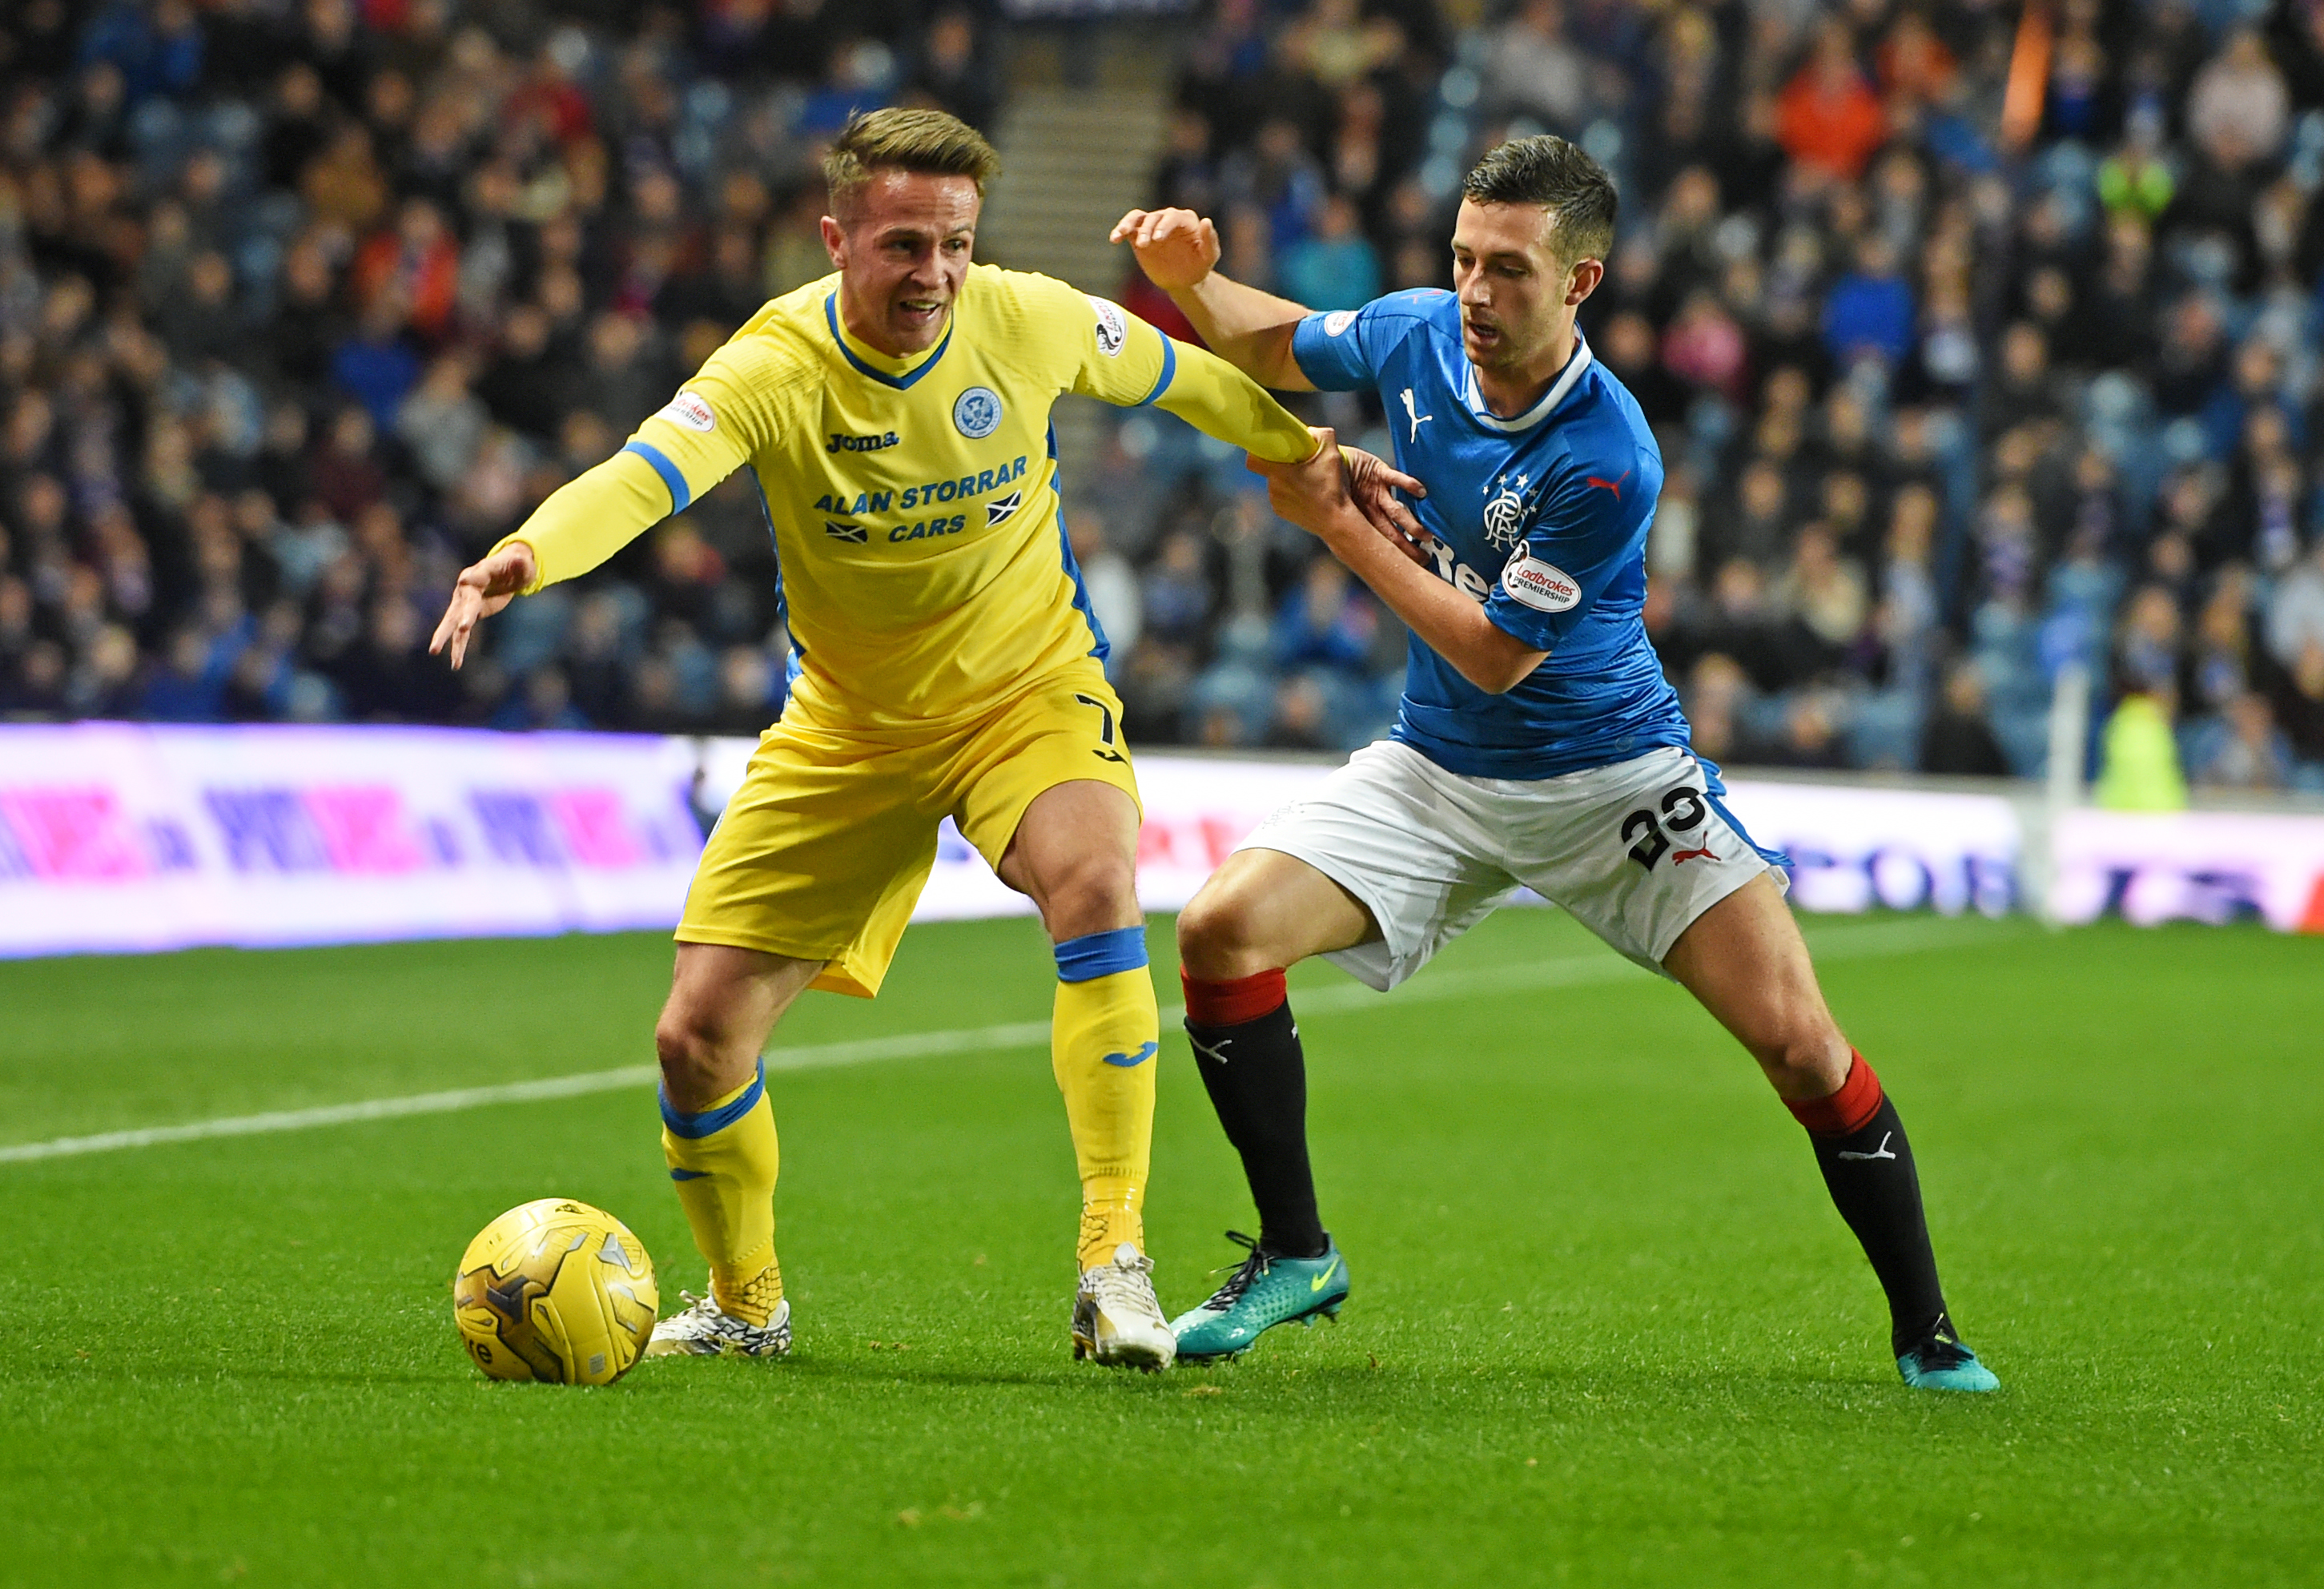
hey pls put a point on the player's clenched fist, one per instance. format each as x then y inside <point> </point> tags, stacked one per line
<point>1175,248</point>
<point>482,590</point>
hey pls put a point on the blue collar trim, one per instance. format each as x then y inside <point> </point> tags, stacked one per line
<point>901,383</point>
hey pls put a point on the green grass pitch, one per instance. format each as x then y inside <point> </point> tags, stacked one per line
<point>1606,1327</point>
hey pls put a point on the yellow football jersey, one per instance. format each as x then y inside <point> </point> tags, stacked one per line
<point>914,502</point>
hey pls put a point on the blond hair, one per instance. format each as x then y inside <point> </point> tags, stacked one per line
<point>932,142</point>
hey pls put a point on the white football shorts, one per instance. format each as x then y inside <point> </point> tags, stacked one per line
<point>1636,851</point>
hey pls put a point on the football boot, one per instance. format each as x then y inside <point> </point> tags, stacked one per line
<point>1265,1289</point>
<point>1943,1362</point>
<point>1117,1321</point>
<point>706,1330</point>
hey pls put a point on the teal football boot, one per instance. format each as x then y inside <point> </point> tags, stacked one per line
<point>1943,1362</point>
<point>1265,1289</point>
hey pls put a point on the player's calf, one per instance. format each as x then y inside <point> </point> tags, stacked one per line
<point>1866,1160</point>
<point>718,1139</point>
<point>1745,960</point>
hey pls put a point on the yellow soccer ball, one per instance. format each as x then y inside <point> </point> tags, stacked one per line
<point>557,1291</point>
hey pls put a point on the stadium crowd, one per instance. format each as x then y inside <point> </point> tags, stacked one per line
<point>1958,378</point>
<point>1977,345</point>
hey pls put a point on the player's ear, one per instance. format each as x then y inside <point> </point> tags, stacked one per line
<point>834,243</point>
<point>1583,279</point>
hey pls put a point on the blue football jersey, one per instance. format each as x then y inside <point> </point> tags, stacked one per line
<point>1542,518</point>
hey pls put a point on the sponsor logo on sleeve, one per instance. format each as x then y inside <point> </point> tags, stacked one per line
<point>1338,320</point>
<point>1544,586</point>
<point>690,411</point>
<point>976,412</point>
<point>1112,330</point>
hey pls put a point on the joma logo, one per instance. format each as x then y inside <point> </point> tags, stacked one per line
<point>861,443</point>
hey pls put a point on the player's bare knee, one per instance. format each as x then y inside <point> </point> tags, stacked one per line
<point>1804,1058</point>
<point>1093,893</point>
<point>689,1049</point>
<point>1215,937</point>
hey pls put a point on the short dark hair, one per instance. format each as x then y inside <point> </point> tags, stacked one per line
<point>930,142</point>
<point>1550,172</point>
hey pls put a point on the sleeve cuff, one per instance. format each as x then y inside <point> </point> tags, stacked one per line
<point>539,568</point>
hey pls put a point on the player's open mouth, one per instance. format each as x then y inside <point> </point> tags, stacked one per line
<point>1480,333</point>
<point>916,312</point>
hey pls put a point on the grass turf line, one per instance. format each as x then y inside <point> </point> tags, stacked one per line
<point>1620,1336</point>
<point>1434,986</point>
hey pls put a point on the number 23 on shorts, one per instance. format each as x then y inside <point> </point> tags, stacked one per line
<point>1683,811</point>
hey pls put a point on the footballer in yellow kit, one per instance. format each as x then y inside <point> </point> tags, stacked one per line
<point>946,662</point>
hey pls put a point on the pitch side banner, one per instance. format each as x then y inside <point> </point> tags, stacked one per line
<point>130,836</point>
<point>2191,866</point>
<point>117,836</point>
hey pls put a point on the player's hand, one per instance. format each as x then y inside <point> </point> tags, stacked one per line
<point>482,590</point>
<point>1314,495</point>
<point>1175,248</point>
<point>1373,483</point>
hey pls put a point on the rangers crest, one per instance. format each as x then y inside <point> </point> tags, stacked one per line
<point>1505,512</point>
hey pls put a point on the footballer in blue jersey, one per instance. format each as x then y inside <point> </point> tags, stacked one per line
<point>1537,743</point>
<point>1542,517</point>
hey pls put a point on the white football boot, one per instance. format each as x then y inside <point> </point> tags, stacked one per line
<point>1117,1320</point>
<point>706,1330</point>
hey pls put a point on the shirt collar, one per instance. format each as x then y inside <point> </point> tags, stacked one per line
<point>1549,398</point>
<point>880,367</point>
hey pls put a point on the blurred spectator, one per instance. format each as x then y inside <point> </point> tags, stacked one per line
<point>1336,267</point>
<point>1534,70</point>
<point>1325,621</point>
<point>2295,613</point>
<point>2237,109</point>
<point>1828,119</point>
<point>1959,738</point>
<point>2242,749</point>
<point>1111,584</point>
<point>1870,311</point>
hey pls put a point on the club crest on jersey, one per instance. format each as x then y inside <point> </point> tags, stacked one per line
<point>1112,330</point>
<point>976,412</point>
<point>995,511</point>
<point>1506,512</point>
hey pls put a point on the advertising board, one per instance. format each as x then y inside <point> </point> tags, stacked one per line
<point>134,837</point>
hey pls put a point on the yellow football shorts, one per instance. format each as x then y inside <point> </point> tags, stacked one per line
<point>823,851</point>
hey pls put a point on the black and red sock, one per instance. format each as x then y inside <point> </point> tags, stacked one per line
<point>1247,1048</point>
<point>1868,1167</point>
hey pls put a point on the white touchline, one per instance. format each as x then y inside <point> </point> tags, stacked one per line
<point>1841,943</point>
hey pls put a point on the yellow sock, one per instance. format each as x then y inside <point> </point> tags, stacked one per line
<point>724,1160</point>
<point>1102,1042</point>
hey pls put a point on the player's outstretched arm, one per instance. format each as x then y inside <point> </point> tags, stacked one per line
<point>584,521</point>
<point>1178,250</point>
<point>1222,401</point>
<point>1315,496</point>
